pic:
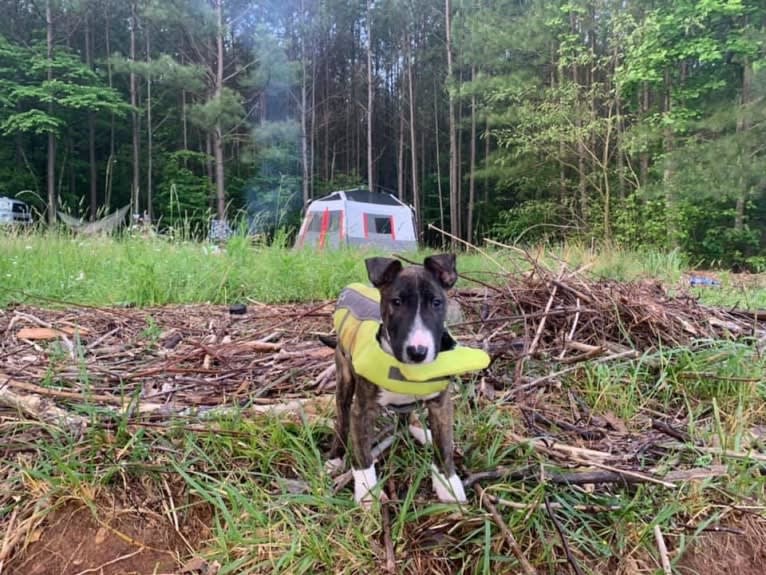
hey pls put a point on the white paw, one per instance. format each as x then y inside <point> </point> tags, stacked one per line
<point>334,466</point>
<point>421,435</point>
<point>364,482</point>
<point>448,489</point>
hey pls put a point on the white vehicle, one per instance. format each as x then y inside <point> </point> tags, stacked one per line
<point>14,212</point>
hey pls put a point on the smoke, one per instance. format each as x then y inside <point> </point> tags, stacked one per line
<point>273,195</point>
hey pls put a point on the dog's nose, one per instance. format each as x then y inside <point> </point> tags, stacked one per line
<point>417,353</point>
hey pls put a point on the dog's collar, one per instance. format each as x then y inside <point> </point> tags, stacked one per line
<point>357,321</point>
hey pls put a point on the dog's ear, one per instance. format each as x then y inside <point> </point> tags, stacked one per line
<point>442,266</point>
<point>382,271</point>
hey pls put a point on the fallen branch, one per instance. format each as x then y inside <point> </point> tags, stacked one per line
<point>37,407</point>
<point>530,474</point>
<point>663,550</point>
<point>564,542</point>
<point>526,566</point>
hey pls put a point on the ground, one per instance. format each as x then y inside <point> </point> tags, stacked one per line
<point>187,439</point>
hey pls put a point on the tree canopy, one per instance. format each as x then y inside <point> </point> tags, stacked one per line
<point>636,122</point>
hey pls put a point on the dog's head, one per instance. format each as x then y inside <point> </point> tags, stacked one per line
<point>413,305</point>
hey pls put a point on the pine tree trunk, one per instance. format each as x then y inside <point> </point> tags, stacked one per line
<point>743,126</point>
<point>438,159</point>
<point>312,148</point>
<point>667,174</point>
<point>400,150</point>
<point>472,166</point>
<point>413,145</point>
<point>149,128</point>
<point>304,112</point>
<point>184,120</point>
<point>220,188</point>
<point>454,208</point>
<point>487,150</point>
<point>644,157</point>
<point>562,147</point>
<point>134,198</point>
<point>370,95</point>
<point>582,189</point>
<point>110,161</point>
<point>91,126</point>
<point>51,174</point>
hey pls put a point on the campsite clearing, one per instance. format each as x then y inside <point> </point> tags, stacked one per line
<point>184,436</point>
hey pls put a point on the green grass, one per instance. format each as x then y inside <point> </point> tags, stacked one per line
<point>141,272</point>
<point>274,509</point>
<point>272,506</point>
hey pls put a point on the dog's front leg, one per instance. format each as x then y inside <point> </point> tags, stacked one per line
<point>344,394</point>
<point>446,483</point>
<point>362,421</point>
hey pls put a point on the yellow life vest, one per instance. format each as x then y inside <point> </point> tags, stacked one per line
<point>357,320</point>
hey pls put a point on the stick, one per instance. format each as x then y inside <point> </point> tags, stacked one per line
<point>388,543</point>
<point>527,474</point>
<point>631,353</point>
<point>525,565</point>
<point>469,245</point>
<point>662,548</point>
<point>7,538</point>
<point>668,429</point>
<point>37,408</point>
<point>562,536</point>
<point>716,451</point>
<point>100,568</point>
<point>554,505</point>
<point>60,393</point>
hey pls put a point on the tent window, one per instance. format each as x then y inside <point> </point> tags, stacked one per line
<point>315,225</point>
<point>377,224</point>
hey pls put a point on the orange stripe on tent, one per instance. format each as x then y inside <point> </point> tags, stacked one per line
<point>393,230</point>
<point>325,225</point>
<point>366,231</point>
<point>341,233</point>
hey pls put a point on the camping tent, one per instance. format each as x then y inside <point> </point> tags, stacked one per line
<point>358,217</point>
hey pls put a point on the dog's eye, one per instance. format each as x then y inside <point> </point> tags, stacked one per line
<point>396,302</point>
<point>437,303</point>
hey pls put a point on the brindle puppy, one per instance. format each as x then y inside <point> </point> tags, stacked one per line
<point>412,309</point>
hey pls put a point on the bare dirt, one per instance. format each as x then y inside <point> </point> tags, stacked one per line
<point>743,552</point>
<point>113,536</point>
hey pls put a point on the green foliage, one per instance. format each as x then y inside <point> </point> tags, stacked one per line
<point>226,109</point>
<point>33,104</point>
<point>184,193</point>
<point>532,222</point>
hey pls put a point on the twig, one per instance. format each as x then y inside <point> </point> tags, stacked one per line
<point>562,536</point>
<point>388,542</point>
<point>587,434</point>
<point>663,550</point>
<point>36,407</point>
<point>100,568</point>
<point>60,393</point>
<point>716,451</point>
<point>668,429</point>
<point>631,353</point>
<point>529,474</point>
<point>555,505</point>
<point>7,538</point>
<point>468,245</point>
<point>525,565</point>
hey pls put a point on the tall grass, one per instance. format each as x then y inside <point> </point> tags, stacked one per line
<point>159,270</point>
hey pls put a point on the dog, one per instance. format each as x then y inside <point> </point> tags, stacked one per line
<point>408,326</point>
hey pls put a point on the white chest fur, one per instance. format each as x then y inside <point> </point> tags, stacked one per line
<point>390,398</point>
